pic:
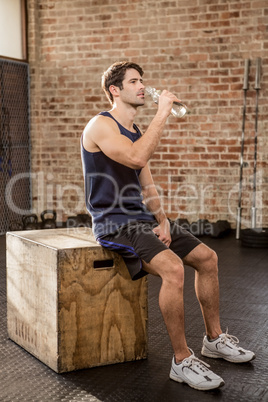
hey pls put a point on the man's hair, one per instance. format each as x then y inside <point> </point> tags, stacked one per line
<point>115,75</point>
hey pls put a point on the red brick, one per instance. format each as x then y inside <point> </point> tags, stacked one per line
<point>196,50</point>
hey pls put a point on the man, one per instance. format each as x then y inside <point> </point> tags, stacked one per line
<point>115,162</point>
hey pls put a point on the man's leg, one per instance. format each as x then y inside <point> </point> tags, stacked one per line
<point>170,268</point>
<point>224,346</point>
<point>205,262</point>
<point>185,366</point>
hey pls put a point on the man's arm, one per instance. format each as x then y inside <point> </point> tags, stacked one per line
<point>103,134</point>
<point>152,201</point>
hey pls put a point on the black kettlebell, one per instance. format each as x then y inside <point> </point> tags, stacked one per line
<point>80,220</point>
<point>49,222</point>
<point>73,222</point>
<point>85,220</point>
<point>30,222</point>
<point>15,226</point>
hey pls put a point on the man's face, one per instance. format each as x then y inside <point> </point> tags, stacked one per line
<point>133,88</point>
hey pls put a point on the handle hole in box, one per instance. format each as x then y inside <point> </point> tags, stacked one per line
<point>103,264</point>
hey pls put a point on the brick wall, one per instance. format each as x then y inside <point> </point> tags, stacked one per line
<point>195,48</point>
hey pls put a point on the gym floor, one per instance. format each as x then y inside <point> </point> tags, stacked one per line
<point>243,276</point>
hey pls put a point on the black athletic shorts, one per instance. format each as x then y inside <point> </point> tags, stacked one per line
<point>136,242</point>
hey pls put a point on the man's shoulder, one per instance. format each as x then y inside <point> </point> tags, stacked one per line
<point>97,130</point>
<point>99,121</point>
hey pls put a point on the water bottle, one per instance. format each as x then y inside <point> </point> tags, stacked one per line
<point>178,109</point>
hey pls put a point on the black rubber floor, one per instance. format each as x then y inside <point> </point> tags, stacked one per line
<point>244,310</point>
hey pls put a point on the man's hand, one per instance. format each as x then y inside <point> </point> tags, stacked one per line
<point>162,231</point>
<point>166,101</point>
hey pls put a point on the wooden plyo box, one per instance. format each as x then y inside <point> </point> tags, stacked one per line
<point>71,303</point>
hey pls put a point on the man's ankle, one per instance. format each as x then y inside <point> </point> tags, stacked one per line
<point>179,357</point>
<point>213,338</point>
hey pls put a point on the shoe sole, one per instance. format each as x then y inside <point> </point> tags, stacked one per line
<point>196,386</point>
<point>215,356</point>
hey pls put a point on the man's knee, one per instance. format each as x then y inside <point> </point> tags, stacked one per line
<point>212,256</point>
<point>168,266</point>
<point>174,273</point>
<point>210,260</point>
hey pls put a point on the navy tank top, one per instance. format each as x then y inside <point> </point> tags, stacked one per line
<point>112,190</point>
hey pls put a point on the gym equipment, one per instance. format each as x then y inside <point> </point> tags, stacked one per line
<point>67,289</point>
<point>71,221</point>
<point>254,238</point>
<point>239,210</point>
<point>257,88</point>
<point>200,228</point>
<point>30,222</point>
<point>85,219</point>
<point>48,221</point>
<point>79,220</point>
<point>220,228</point>
<point>15,226</point>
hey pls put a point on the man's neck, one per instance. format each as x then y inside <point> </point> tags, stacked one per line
<point>124,116</point>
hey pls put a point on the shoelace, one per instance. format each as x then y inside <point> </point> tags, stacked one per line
<point>193,361</point>
<point>227,337</point>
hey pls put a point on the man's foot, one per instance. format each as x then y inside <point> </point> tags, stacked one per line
<point>226,347</point>
<point>195,373</point>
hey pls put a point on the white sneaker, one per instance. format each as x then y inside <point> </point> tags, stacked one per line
<point>195,373</point>
<point>226,347</point>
